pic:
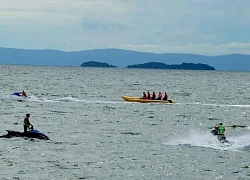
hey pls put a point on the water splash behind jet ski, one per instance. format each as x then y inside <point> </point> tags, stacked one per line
<point>221,138</point>
<point>35,133</point>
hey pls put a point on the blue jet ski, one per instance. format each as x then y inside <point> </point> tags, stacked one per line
<point>19,96</point>
<point>34,133</point>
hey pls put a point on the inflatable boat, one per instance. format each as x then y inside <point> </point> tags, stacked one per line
<point>140,100</point>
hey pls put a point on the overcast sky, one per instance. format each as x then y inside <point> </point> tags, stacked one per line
<point>209,27</point>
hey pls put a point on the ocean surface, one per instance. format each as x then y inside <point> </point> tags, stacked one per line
<point>95,135</point>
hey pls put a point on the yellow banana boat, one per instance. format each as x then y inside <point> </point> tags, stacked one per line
<point>138,99</point>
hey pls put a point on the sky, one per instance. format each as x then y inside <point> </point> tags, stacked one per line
<point>207,27</point>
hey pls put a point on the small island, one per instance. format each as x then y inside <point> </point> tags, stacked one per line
<point>183,66</point>
<point>95,64</point>
<point>154,65</point>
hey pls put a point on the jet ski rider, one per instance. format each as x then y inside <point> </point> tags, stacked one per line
<point>27,124</point>
<point>23,93</point>
<point>221,129</point>
<point>216,128</point>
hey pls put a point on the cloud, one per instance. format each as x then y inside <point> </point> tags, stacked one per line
<point>197,26</point>
<point>103,25</point>
<point>205,49</point>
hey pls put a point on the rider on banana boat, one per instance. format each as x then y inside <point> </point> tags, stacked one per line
<point>153,96</point>
<point>144,96</point>
<point>148,95</point>
<point>165,97</point>
<point>159,96</point>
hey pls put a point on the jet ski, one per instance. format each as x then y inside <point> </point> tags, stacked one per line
<point>34,133</point>
<point>18,96</point>
<point>221,138</point>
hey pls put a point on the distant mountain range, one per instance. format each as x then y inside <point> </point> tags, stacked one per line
<point>119,58</point>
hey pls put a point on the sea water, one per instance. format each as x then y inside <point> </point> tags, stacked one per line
<point>94,134</point>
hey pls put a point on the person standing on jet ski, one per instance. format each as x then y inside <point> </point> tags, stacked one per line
<point>27,124</point>
<point>221,129</point>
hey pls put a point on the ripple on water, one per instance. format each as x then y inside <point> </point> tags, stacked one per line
<point>96,135</point>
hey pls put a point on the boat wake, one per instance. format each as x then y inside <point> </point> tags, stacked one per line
<point>33,98</point>
<point>71,99</point>
<point>20,98</point>
<point>217,105</point>
<point>236,143</point>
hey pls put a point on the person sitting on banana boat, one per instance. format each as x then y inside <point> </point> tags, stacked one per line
<point>153,96</point>
<point>144,96</point>
<point>165,97</point>
<point>159,96</point>
<point>148,95</point>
